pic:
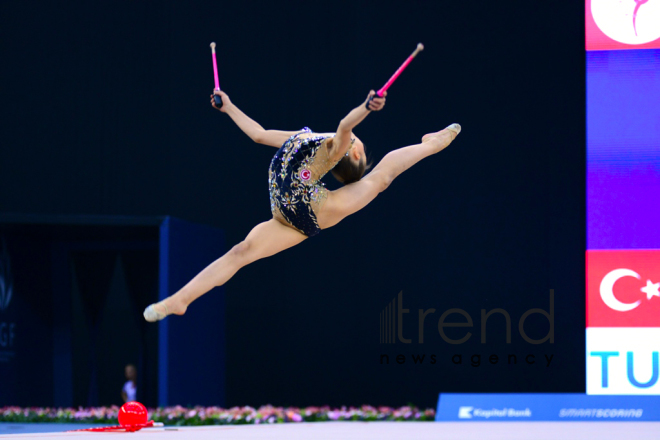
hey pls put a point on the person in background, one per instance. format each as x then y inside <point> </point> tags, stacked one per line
<point>130,387</point>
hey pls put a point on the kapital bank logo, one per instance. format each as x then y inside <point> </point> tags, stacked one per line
<point>470,412</point>
<point>6,281</point>
<point>465,412</point>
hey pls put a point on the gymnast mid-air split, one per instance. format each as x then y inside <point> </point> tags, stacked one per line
<point>300,203</point>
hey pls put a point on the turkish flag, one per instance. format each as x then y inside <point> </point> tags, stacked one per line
<point>622,24</point>
<point>623,288</point>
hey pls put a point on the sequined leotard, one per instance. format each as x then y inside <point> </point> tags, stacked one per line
<point>294,179</point>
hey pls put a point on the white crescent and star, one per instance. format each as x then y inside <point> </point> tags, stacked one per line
<point>607,290</point>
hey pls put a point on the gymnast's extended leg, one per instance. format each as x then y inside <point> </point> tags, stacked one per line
<point>351,198</point>
<point>265,239</point>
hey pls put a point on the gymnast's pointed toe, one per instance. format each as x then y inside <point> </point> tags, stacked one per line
<point>450,132</point>
<point>153,315</point>
<point>456,128</point>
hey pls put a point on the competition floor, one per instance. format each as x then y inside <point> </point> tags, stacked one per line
<point>385,431</point>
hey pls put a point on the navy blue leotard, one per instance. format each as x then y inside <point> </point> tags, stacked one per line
<point>296,191</point>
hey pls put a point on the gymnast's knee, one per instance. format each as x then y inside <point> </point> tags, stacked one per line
<point>384,181</point>
<point>241,251</point>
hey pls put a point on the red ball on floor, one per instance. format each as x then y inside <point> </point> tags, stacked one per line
<point>132,413</point>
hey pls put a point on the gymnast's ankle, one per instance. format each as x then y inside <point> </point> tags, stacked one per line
<point>174,306</point>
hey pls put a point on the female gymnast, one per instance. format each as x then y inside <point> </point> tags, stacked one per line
<point>300,204</point>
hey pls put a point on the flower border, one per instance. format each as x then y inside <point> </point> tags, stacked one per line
<point>195,416</point>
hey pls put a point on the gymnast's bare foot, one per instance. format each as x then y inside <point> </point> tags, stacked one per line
<point>443,137</point>
<point>169,306</point>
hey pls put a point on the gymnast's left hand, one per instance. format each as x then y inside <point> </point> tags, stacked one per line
<point>226,102</point>
<point>377,103</point>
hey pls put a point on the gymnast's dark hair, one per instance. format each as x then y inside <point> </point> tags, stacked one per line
<point>347,171</point>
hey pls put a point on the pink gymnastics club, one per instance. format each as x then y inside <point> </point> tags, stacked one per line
<point>379,93</point>
<point>215,67</point>
<point>216,98</point>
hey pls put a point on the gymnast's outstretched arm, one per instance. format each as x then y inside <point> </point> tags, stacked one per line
<point>272,138</point>
<point>342,140</point>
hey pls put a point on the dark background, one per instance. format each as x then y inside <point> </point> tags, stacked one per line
<point>105,111</point>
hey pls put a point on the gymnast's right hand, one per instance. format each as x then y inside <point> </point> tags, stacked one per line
<point>375,102</point>
<point>225,100</point>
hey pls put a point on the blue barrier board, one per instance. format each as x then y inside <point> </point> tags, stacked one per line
<point>546,407</point>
